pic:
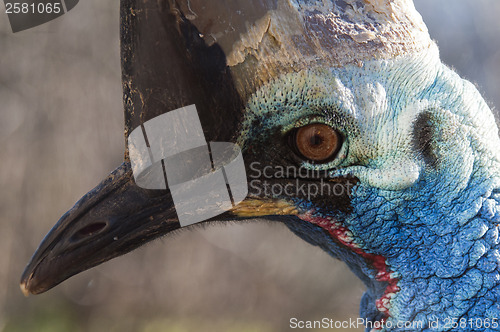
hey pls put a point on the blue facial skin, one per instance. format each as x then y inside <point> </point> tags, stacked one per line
<point>425,148</point>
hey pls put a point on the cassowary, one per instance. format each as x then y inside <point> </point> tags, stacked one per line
<point>403,154</point>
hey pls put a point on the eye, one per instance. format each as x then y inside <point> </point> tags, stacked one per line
<point>316,142</point>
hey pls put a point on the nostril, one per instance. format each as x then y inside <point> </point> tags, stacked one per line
<point>90,230</point>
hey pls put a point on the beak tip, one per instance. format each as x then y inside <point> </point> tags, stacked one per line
<point>24,288</point>
<point>24,285</point>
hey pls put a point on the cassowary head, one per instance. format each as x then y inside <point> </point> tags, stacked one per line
<point>353,134</point>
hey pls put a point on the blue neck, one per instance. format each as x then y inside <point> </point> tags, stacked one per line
<point>442,248</point>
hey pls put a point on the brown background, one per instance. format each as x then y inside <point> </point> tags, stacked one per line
<point>61,133</point>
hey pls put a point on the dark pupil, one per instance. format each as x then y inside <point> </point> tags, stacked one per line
<point>316,139</point>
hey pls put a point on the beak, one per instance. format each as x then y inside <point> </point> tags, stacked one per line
<point>114,218</point>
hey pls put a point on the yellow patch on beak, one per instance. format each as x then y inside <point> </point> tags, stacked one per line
<point>252,207</point>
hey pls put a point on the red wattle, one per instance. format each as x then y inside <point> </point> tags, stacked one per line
<point>343,235</point>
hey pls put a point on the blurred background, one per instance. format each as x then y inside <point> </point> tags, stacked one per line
<point>61,132</point>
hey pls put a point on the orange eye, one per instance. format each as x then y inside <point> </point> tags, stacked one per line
<point>317,142</point>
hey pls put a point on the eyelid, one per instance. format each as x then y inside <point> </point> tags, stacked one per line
<point>307,121</point>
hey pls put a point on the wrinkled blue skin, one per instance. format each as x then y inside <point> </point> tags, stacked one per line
<point>435,214</point>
